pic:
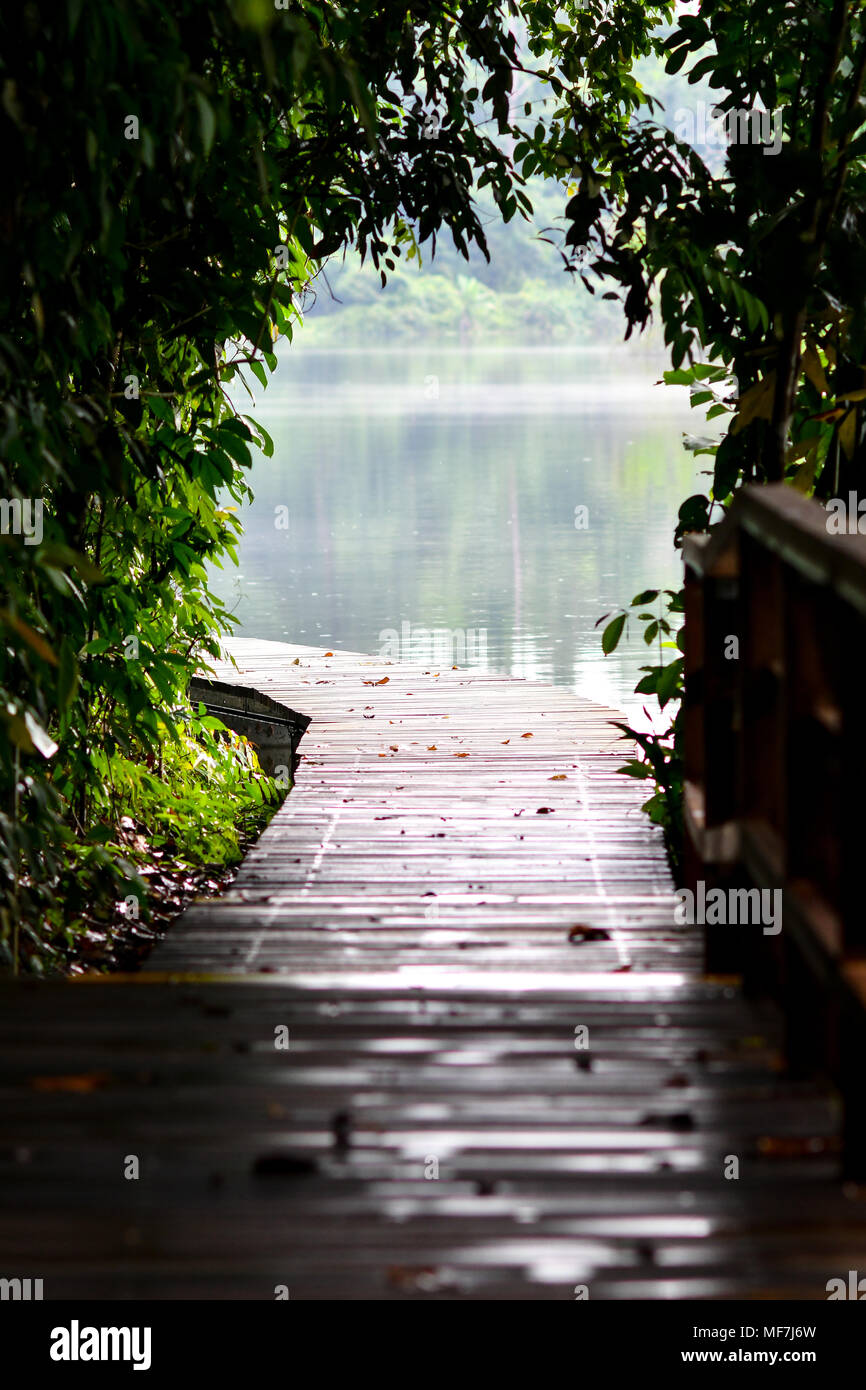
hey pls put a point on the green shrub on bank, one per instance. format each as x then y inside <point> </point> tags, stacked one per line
<point>193,800</point>
<point>173,178</point>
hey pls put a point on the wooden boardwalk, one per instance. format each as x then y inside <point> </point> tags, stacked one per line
<point>444,827</point>
<point>506,1074</point>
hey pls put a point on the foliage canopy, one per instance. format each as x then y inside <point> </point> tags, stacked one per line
<point>176,175</point>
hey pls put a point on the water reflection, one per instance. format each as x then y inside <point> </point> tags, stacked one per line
<point>503,498</point>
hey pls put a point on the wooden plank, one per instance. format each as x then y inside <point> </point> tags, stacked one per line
<point>416,936</point>
<point>436,795</point>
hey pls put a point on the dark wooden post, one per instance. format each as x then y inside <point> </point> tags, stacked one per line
<point>775,764</point>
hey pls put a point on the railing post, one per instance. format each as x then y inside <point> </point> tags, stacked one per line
<point>712,731</point>
<point>775,766</point>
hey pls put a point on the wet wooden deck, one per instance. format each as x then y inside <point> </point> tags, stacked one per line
<point>444,827</point>
<point>437,908</point>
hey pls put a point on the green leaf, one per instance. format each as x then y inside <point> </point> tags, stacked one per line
<point>612,633</point>
<point>207,121</point>
<point>238,450</point>
<point>32,738</point>
<point>67,676</point>
<point>669,683</point>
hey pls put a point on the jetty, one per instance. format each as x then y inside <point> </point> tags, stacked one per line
<point>443,1037</point>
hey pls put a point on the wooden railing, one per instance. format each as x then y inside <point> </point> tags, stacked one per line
<point>775,754</point>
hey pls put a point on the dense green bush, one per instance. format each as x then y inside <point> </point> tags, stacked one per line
<point>173,176</point>
<point>174,179</point>
<point>756,267</point>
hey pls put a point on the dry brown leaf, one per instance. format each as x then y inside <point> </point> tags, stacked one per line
<point>558,777</point>
<point>526,735</point>
<point>33,638</point>
<point>848,434</point>
<point>756,403</point>
<point>814,370</point>
<point>794,1145</point>
<point>79,1084</point>
<point>582,933</point>
<point>383,681</point>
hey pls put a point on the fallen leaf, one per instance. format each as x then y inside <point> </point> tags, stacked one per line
<point>526,735</point>
<point>329,653</point>
<point>461,755</point>
<point>582,933</point>
<point>421,1278</point>
<point>431,748</point>
<point>794,1145</point>
<point>558,777</point>
<point>383,681</point>
<point>545,811</point>
<point>79,1084</point>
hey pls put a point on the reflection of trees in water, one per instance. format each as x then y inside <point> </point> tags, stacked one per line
<point>462,521</point>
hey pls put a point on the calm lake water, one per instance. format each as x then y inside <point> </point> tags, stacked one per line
<point>483,505</point>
